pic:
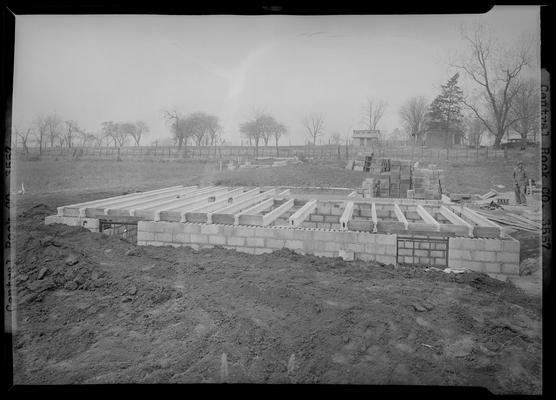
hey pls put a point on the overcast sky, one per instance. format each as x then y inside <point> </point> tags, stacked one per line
<point>126,68</point>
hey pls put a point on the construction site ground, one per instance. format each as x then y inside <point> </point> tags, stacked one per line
<point>97,309</point>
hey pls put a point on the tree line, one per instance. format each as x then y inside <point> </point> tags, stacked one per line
<point>502,98</point>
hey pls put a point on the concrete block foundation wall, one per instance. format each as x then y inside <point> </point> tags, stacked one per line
<point>258,240</point>
<point>492,256</point>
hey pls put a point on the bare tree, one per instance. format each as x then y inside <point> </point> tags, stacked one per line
<point>373,113</point>
<point>277,132</point>
<point>496,73</point>
<point>53,127</point>
<point>412,115</point>
<point>336,139</point>
<point>71,129</point>
<point>314,124</point>
<point>525,110</point>
<point>24,137</point>
<point>139,128</point>
<point>475,130</point>
<point>177,126</point>
<point>42,131</point>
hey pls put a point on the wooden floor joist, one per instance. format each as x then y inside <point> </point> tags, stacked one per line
<point>429,219</point>
<point>482,226</point>
<point>277,212</point>
<point>227,215</point>
<point>251,216</point>
<point>347,214</point>
<point>125,208</point>
<point>197,197</point>
<point>299,216</point>
<point>73,210</point>
<point>373,217</point>
<point>455,219</point>
<point>204,212</point>
<point>182,196</point>
<point>400,215</point>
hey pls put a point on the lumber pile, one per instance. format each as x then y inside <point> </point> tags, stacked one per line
<point>511,219</point>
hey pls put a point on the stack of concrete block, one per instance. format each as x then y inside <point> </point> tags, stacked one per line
<point>426,183</point>
<point>371,187</point>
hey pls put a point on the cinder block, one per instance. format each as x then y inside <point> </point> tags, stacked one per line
<point>336,226</point>
<point>217,239</point>
<point>333,246</point>
<point>191,228</point>
<point>285,234</point>
<point>474,244</point>
<point>274,243</point>
<point>390,250</point>
<point>424,260</point>
<point>324,209</point>
<point>440,246</point>
<point>236,241</point>
<point>199,238</point>
<point>406,252</point>
<point>301,234</point>
<point>507,257</point>
<point>326,236</point>
<point>440,261</point>
<point>331,219</point>
<point>459,254</point>
<point>163,236</point>
<point>484,256</point>
<point>245,231</point>
<point>347,237</point>
<point>365,257</point>
<point>509,268</point>
<point>254,242</point>
<point>422,253</point>
<point>314,245</point>
<point>408,259</point>
<point>424,245</point>
<point>210,229</point>
<point>337,211</point>
<point>493,245</point>
<point>181,237</point>
<point>159,227</point>
<point>386,239</point>
<point>437,253</point>
<point>491,267</point>
<point>375,248</point>
<point>510,245</point>
<point>366,237</point>
<point>316,218</point>
<point>294,244</point>
<point>227,230</point>
<point>265,232</point>
<point>145,236</point>
<point>355,247</point>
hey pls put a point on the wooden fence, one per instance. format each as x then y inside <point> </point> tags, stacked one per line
<point>225,153</point>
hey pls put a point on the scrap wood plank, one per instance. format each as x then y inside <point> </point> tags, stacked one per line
<point>299,216</point>
<point>455,219</point>
<point>347,214</point>
<point>429,219</point>
<point>400,215</point>
<point>74,208</point>
<point>274,214</point>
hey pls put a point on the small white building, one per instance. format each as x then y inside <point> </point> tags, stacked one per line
<point>365,137</point>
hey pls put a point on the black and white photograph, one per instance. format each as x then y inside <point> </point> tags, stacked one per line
<point>349,199</point>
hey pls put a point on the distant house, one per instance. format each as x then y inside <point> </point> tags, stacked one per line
<point>437,138</point>
<point>365,138</point>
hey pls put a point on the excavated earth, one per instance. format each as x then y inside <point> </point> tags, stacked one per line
<point>97,309</point>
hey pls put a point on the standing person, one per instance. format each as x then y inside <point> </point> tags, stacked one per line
<point>520,183</point>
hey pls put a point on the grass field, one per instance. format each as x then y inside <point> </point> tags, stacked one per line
<point>46,176</point>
